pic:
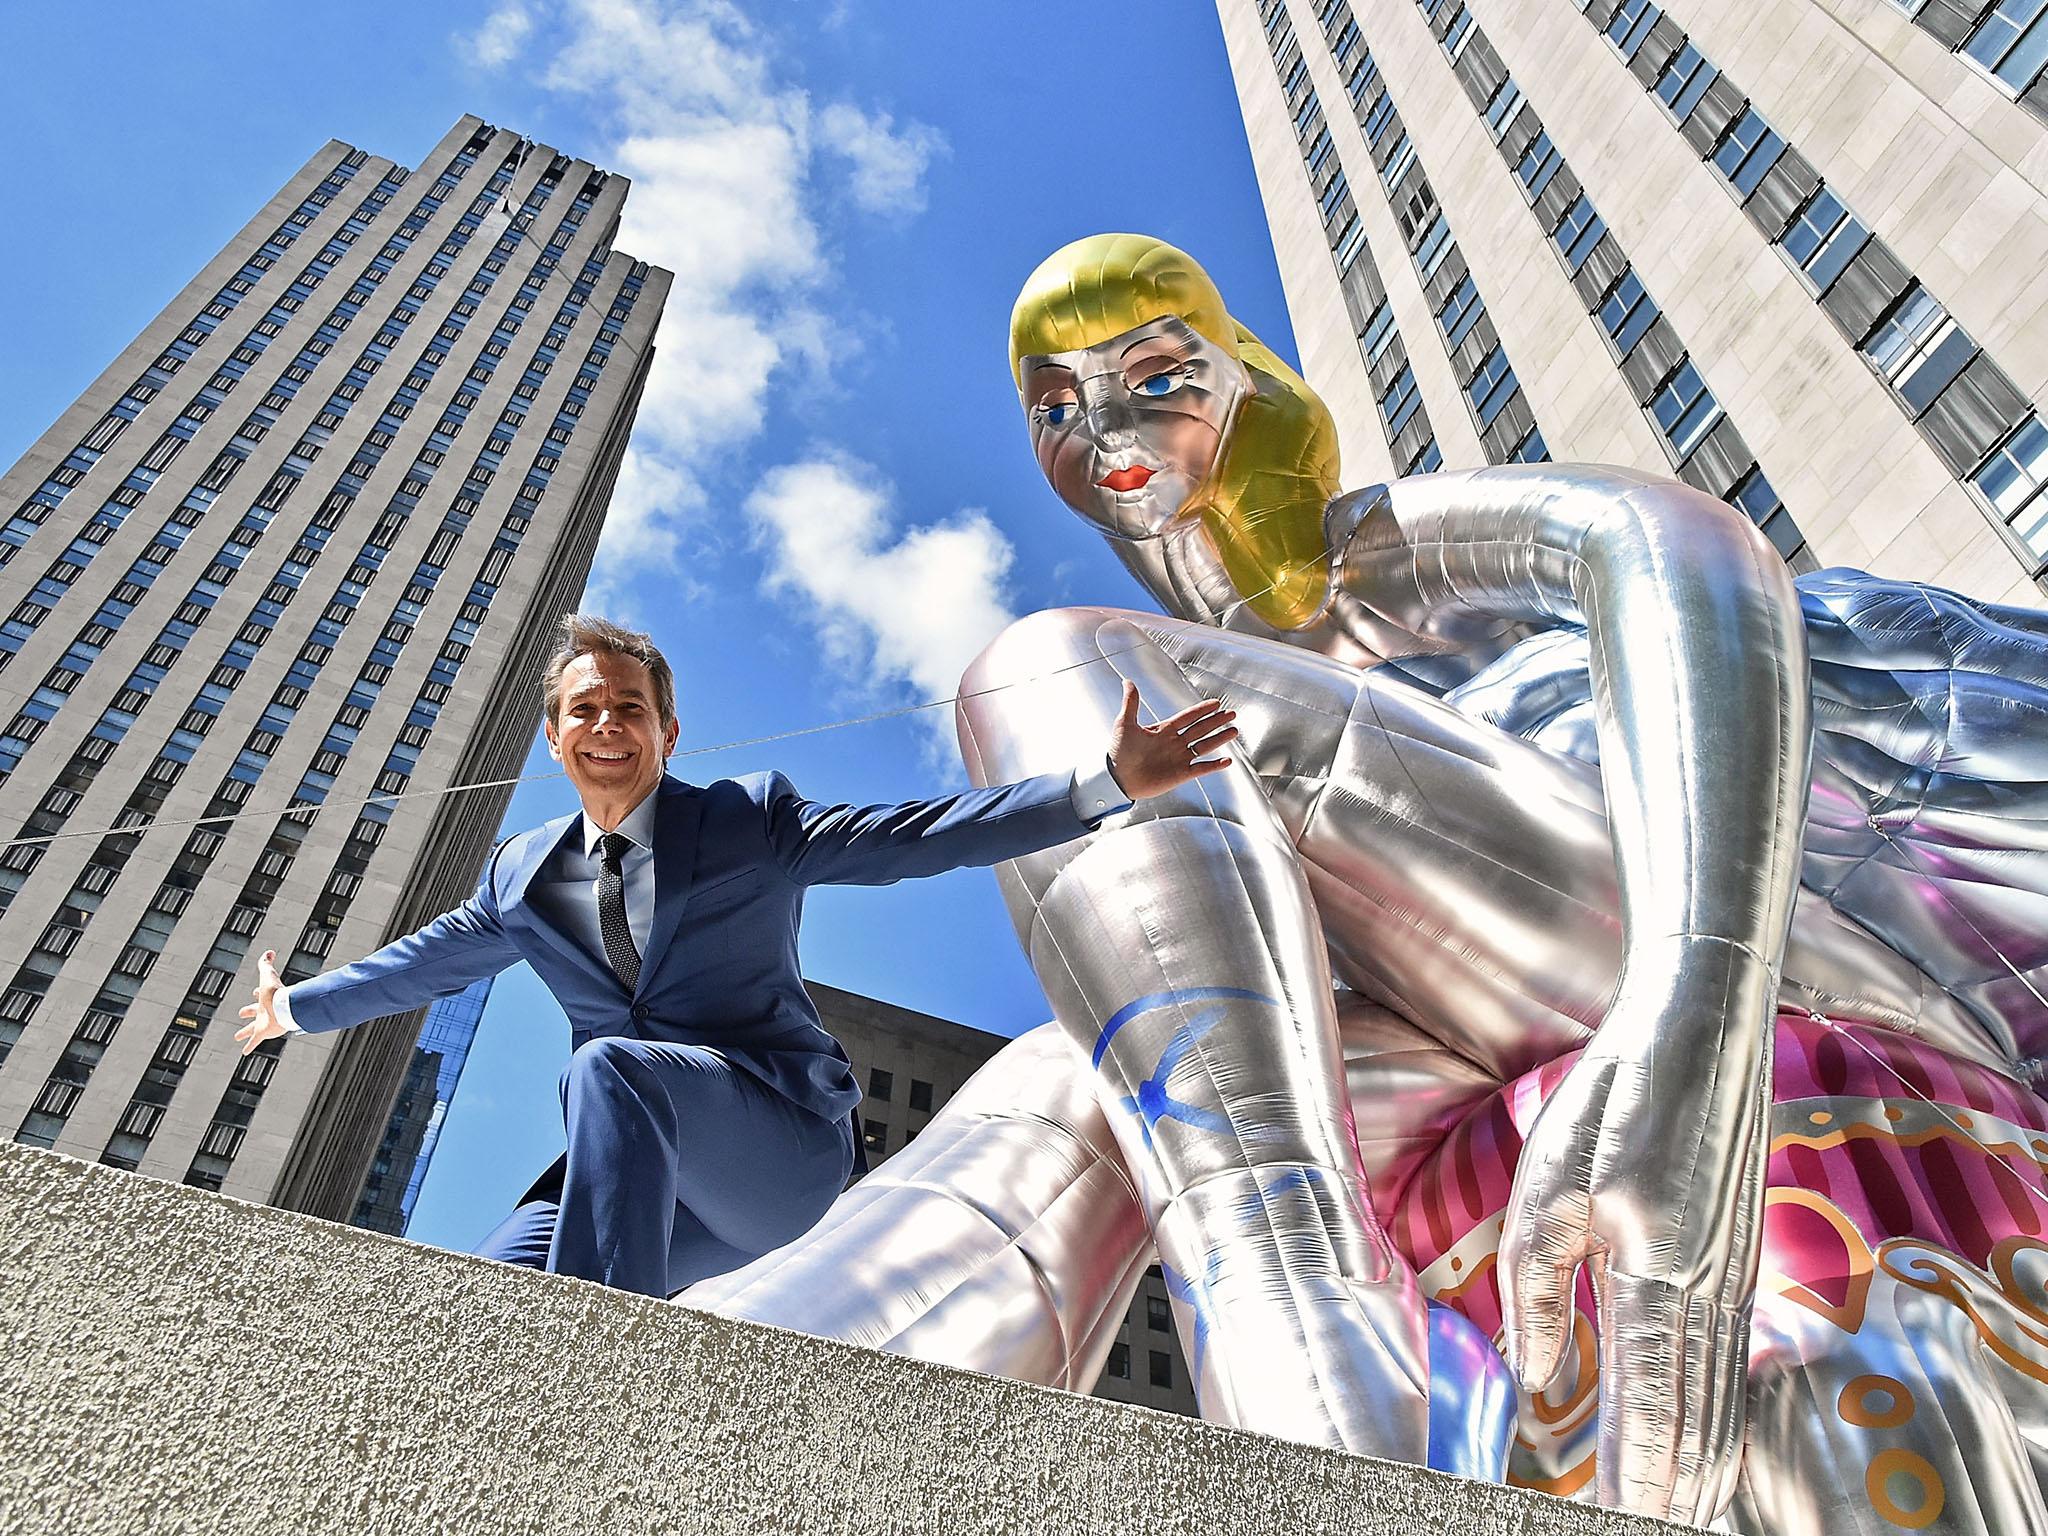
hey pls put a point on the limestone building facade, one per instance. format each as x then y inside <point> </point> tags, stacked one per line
<point>1794,252</point>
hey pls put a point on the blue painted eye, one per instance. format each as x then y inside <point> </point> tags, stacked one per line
<point>1160,384</point>
<point>1059,415</point>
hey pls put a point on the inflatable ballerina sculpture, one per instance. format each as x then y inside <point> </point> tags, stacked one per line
<point>1688,931</point>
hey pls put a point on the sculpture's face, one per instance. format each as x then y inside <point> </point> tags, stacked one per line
<point>1126,430</point>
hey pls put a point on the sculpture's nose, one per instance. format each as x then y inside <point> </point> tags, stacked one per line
<point>1106,411</point>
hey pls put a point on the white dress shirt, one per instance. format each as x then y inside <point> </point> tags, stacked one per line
<point>566,889</point>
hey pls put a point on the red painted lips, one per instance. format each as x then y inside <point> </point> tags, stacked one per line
<point>1126,479</point>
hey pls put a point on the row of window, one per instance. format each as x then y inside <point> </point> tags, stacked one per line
<point>1974,417</point>
<point>23,621</point>
<point>1703,444</point>
<point>1410,439</point>
<point>34,977</point>
<point>143,572</point>
<point>1499,408</point>
<point>172,640</point>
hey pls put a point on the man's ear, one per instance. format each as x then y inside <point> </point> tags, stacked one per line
<point>668,744</point>
<point>547,724</point>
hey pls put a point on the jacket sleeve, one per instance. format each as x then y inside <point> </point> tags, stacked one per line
<point>820,844</point>
<point>439,960</point>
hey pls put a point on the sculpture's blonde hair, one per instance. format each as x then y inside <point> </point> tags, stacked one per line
<point>1277,466</point>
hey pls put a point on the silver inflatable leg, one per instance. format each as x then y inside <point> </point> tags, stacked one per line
<point>1179,947</point>
<point>1007,1238</point>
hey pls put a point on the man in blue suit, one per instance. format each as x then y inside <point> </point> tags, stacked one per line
<point>709,1114</point>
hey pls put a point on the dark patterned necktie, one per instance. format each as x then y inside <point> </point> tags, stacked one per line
<point>611,910</point>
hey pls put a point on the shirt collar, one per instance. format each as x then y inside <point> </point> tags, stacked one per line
<point>638,827</point>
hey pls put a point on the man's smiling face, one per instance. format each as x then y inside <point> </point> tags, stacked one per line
<point>607,731</point>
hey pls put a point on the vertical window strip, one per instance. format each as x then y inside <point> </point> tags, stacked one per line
<point>2005,40</point>
<point>232,553</point>
<point>1703,445</point>
<point>1410,439</point>
<point>1494,398</point>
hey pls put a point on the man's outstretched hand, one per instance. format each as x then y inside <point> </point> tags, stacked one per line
<point>262,1014</point>
<point>1151,759</point>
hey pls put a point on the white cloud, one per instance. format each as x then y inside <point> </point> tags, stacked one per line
<point>497,42</point>
<point>731,168</point>
<point>909,607</point>
<point>888,166</point>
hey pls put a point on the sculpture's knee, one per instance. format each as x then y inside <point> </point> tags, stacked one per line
<point>1031,646</point>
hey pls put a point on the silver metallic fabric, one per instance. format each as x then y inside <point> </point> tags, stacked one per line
<point>1596,941</point>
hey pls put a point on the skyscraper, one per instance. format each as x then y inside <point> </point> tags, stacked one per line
<point>1795,252</point>
<point>281,577</point>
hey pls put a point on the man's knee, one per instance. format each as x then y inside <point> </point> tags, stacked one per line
<point>608,1061</point>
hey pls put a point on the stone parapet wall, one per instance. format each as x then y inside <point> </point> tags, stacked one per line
<point>180,1362</point>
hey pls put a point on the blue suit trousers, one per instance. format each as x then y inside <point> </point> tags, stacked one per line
<point>679,1166</point>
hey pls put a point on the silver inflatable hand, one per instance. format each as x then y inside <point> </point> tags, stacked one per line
<point>1646,1166</point>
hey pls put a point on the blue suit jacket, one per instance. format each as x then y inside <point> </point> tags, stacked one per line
<point>731,862</point>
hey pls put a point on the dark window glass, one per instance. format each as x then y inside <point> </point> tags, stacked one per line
<point>880,1084</point>
<point>1162,1368</point>
<point>1158,1315</point>
<point>1628,311</point>
<point>920,1095</point>
<point>1460,312</point>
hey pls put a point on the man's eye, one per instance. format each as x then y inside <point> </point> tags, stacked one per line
<point>1060,414</point>
<point>1161,383</point>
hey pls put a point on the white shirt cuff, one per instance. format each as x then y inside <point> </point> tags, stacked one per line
<point>281,1005</point>
<point>1097,794</point>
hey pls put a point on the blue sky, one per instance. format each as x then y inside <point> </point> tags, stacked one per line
<point>830,502</point>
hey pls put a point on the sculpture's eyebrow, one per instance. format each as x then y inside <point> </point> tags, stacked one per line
<point>1169,338</point>
<point>1042,377</point>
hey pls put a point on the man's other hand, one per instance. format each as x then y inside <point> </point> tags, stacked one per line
<point>262,1014</point>
<point>1151,759</point>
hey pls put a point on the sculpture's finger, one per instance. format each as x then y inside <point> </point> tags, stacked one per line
<point>1538,1268</point>
<point>1671,1365</point>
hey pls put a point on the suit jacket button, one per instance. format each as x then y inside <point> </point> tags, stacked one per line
<point>639,1011</point>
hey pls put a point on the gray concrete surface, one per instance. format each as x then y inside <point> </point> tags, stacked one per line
<point>181,1362</point>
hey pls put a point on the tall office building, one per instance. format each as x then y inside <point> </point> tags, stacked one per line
<point>909,1064</point>
<point>399,1166</point>
<point>280,577</point>
<point>1795,252</point>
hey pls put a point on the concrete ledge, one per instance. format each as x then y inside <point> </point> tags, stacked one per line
<point>176,1361</point>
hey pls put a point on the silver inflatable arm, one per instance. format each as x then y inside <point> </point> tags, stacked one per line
<point>1647,1164</point>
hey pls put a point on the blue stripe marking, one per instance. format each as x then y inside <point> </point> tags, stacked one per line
<point>1152,1000</point>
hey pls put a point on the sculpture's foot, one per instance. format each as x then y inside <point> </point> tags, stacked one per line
<point>1315,1336</point>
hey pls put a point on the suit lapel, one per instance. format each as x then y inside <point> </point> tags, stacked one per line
<point>676,817</point>
<point>547,839</point>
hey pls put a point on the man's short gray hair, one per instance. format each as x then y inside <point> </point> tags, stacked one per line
<point>582,634</point>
